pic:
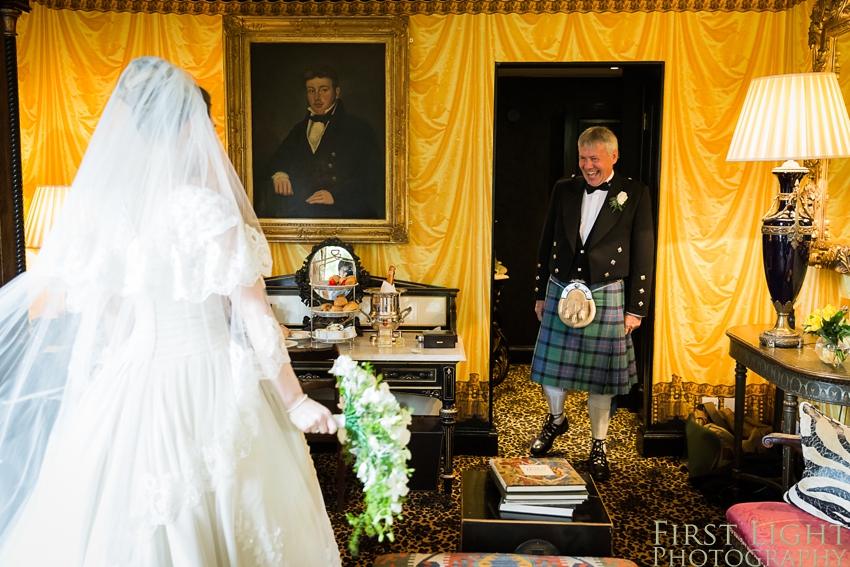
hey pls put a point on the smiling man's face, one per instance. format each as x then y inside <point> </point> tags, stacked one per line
<point>596,163</point>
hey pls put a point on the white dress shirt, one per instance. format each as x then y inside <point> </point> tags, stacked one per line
<point>591,204</point>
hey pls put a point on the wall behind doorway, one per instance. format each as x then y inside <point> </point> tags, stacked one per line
<point>540,112</point>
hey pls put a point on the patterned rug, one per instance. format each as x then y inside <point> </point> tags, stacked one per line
<point>641,491</point>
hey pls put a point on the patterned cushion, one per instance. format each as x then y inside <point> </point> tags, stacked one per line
<point>824,489</point>
<point>492,560</point>
<point>771,529</point>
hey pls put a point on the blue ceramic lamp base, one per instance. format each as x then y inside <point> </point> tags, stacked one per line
<point>786,239</point>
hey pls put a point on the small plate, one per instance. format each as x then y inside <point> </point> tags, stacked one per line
<point>291,344</point>
<point>300,335</point>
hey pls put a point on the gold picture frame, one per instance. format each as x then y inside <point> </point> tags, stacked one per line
<point>264,69</point>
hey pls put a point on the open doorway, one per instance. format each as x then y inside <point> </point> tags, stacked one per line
<point>540,110</point>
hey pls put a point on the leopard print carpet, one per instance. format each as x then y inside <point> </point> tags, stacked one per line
<point>640,492</point>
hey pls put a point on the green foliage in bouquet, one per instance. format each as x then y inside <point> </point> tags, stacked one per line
<point>374,431</point>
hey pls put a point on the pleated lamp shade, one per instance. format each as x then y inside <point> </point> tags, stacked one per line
<point>792,117</point>
<point>46,202</point>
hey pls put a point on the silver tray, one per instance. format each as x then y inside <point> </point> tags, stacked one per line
<point>318,311</point>
<point>332,287</point>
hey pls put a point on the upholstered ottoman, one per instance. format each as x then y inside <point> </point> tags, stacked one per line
<point>777,531</point>
<point>493,559</point>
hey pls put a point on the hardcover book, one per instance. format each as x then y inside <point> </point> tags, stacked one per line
<point>538,510</point>
<point>530,474</point>
<point>545,498</point>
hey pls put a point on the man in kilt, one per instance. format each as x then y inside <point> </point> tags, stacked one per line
<point>599,233</point>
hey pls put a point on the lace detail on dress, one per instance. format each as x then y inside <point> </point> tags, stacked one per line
<point>162,497</point>
<point>273,353</point>
<point>210,249</point>
<point>259,249</point>
<point>266,546</point>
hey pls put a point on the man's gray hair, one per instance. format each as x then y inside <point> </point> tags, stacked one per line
<point>598,135</point>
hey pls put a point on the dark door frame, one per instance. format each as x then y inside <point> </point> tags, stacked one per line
<point>652,439</point>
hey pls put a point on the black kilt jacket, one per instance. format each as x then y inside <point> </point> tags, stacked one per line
<point>621,244</point>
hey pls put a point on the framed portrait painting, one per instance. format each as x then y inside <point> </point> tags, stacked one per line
<point>317,124</point>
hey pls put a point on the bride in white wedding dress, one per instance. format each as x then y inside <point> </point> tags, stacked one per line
<point>133,427</point>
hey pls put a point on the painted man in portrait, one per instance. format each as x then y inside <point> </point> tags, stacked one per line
<point>329,165</point>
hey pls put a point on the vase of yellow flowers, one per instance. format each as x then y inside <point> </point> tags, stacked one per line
<point>832,328</point>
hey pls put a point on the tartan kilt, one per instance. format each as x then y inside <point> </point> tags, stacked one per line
<point>599,359</point>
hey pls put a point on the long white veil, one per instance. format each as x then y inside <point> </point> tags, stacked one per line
<point>156,211</point>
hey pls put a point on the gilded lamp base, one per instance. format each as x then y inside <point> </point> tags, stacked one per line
<point>781,335</point>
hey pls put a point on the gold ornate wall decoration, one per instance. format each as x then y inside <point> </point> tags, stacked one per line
<point>411,7</point>
<point>830,20</point>
<point>678,398</point>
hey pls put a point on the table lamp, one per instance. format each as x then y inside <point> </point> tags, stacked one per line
<point>787,118</point>
<point>46,202</point>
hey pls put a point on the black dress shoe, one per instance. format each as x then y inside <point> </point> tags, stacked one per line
<point>543,442</point>
<point>598,463</point>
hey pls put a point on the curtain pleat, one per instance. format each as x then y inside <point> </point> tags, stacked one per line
<point>709,274</point>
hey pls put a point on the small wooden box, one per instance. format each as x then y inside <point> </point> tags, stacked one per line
<point>439,339</point>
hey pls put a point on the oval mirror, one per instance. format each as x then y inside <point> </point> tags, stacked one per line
<point>331,259</point>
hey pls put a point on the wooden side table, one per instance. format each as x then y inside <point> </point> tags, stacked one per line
<point>483,529</point>
<point>798,372</point>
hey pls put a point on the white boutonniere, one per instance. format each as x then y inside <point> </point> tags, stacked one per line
<point>617,202</point>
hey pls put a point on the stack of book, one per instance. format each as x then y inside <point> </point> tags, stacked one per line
<point>538,487</point>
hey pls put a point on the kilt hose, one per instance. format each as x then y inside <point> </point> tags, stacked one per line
<point>599,359</point>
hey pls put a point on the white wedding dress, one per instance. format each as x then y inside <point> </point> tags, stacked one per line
<point>135,425</point>
<point>226,479</point>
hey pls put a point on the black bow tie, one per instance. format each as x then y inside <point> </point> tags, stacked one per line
<point>602,187</point>
<point>323,118</point>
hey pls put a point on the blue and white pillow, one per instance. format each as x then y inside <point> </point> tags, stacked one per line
<point>824,489</point>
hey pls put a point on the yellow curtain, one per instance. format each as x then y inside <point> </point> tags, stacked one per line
<point>69,62</point>
<point>709,273</point>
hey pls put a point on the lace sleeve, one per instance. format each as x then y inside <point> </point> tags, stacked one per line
<point>209,247</point>
<point>272,352</point>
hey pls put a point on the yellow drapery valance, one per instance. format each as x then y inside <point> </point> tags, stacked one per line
<point>709,274</point>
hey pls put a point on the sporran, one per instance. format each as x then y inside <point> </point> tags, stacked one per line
<point>576,308</point>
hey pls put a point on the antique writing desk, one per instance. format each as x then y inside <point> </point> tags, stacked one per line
<point>797,372</point>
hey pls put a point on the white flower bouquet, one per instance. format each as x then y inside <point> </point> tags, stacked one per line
<point>373,429</point>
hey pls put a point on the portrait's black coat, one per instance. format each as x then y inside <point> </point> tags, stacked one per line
<point>348,163</point>
<point>621,244</point>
